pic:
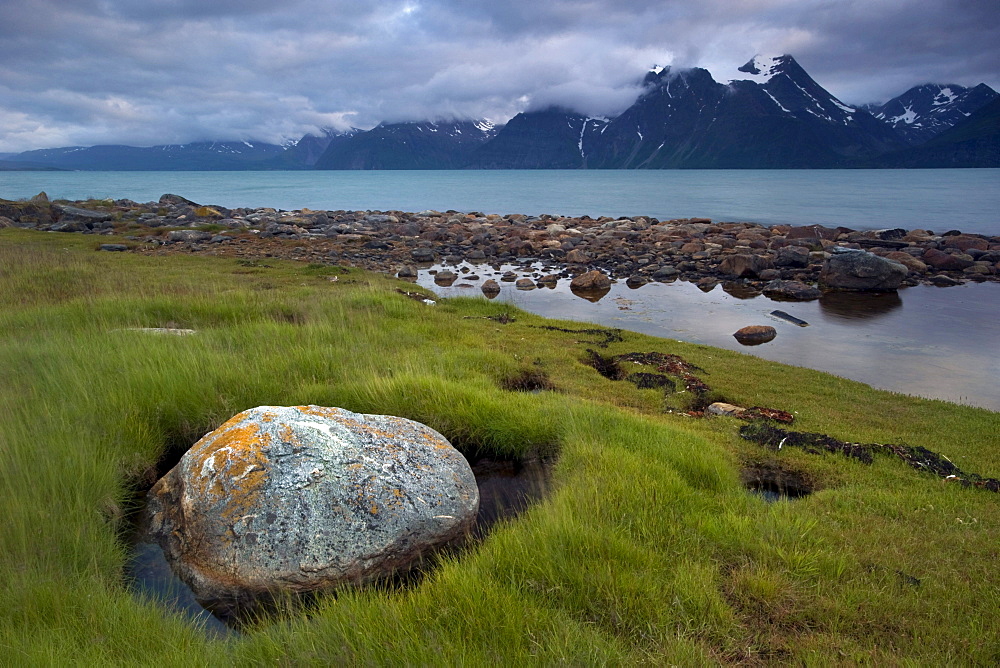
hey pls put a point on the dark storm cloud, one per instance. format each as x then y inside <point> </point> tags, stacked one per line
<point>154,71</point>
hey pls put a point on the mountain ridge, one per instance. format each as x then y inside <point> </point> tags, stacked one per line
<point>770,115</point>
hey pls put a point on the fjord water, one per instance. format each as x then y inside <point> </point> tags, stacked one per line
<point>934,199</point>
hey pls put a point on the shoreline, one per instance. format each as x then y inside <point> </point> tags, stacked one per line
<point>781,258</point>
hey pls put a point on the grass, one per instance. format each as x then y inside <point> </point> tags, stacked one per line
<point>648,549</point>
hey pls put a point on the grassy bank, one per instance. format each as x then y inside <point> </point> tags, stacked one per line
<point>648,549</point>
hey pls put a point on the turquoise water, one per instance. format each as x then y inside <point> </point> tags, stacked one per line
<point>935,199</point>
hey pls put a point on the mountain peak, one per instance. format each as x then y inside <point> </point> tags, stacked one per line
<point>762,68</point>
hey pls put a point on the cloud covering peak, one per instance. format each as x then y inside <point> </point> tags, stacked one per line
<point>142,72</point>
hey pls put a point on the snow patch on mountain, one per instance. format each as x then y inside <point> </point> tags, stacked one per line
<point>760,69</point>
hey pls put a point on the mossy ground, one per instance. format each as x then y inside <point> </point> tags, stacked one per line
<point>647,550</point>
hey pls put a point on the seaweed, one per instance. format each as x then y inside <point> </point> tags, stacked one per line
<point>916,457</point>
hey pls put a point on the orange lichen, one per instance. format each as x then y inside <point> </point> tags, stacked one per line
<point>230,467</point>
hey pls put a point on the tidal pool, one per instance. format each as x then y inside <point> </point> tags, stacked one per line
<point>939,343</point>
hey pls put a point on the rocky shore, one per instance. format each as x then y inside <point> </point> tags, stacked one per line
<point>785,261</point>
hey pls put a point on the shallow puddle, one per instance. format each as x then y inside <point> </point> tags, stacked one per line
<point>506,489</point>
<point>922,340</point>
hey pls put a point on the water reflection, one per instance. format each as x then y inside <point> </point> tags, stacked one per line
<point>740,290</point>
<point>593,296</point>
<point>859,306</point>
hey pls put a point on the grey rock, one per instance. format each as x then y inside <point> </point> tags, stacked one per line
<point>407,271</point>
<point>722,408</point>
<point>303,498</point>
<point>422,255</point>
<point>113,247</point>
<point>445,277</point>
<point>188,235</point>
<point>490,288</point>
<point>665,272</point>
<point>793,290</point>
<point>75,215</point>
<point>861,270</point>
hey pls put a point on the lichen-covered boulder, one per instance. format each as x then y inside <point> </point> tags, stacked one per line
<point>301,498</point>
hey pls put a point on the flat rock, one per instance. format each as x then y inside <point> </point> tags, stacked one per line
<point>303,498</point>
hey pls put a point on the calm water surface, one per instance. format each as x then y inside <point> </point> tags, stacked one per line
<point>935,199</point>
<point>940,343</point>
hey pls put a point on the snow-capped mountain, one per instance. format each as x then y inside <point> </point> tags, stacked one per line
<point>925,111</point>
<point>417,145</point>
<point>766,114</point>
<point>551,138</point>
<point>771,115</point>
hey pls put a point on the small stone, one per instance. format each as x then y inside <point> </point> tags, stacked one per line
<point>524,284</point>
<point>490,288</point>
<point>445,278</point>
<point>722,408</point>
<point>755,335</point>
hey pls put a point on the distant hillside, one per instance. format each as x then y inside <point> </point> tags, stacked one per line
<point>423,145</point>
<point>216,156</point>
<point>974,142</point>
<point>924,112</point>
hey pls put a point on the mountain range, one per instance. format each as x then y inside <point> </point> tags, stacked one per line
<point>773,116</point>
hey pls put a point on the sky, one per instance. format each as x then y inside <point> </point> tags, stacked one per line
<point>147,72</point>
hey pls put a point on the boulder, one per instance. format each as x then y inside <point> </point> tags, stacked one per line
<point>791,290</point>
<point>78,218</point>
<point>490,288</point>
<point>445,277</point>
<point>407,271</point>
<point>188,235</point>
<point>591,280</point>
<point>524,284</point>
<point>303,498</point>
<point>795,257</point>
<point>422,255</point>
<point>861,270</point>
<point>945,261</point>
<point>755,334</point>
<point>745,266</point>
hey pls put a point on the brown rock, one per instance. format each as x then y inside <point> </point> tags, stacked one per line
<point>490,288</point>
<point>755,335</point>
<point>907,260</point>
<point>945,261</point>
<point>592,280</point>
<point>965,243</point>
<point>745,266</point>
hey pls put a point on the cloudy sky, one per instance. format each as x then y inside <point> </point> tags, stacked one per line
<point>144,72</point>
